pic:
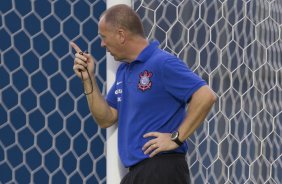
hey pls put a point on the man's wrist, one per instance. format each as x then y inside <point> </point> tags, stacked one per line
<point>88,86</point>
<point>175,137</point>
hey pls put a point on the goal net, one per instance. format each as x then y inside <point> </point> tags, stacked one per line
<point>236,46</point>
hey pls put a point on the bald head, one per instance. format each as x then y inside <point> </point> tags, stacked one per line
<point>122,16</point>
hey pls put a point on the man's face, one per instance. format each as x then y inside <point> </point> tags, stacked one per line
<point>110,40</point>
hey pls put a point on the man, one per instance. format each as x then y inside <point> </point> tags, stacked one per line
<point>148,100</point>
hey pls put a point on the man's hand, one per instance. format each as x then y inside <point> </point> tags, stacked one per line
<point>82,62</point>
<point>161,142</point>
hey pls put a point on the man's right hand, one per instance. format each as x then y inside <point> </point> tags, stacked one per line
<point>82,62</point>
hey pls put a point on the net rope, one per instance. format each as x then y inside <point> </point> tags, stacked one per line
<point>236,46</point>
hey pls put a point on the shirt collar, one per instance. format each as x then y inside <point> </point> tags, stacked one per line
<point>147,51</point>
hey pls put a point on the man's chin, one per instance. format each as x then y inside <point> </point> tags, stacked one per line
<point>116,58</point>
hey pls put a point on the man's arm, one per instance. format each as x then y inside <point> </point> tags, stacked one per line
<point>104,115</point>
<point>199,107</point>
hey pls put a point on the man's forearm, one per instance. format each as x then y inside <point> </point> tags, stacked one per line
<point>101,111</point>
<point>199,107</point>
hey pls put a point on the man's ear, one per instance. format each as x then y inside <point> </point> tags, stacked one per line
<point>121,35</point>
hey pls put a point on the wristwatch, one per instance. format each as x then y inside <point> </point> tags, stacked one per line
<point>175,137</point>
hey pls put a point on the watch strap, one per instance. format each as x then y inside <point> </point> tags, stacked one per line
<point>177,141</point>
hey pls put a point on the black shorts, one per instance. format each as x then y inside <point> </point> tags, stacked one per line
<point>161,169</point>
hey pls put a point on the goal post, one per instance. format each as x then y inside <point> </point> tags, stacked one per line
<point>115,169</point>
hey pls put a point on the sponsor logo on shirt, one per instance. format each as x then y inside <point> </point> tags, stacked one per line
<point>145,80</point>
<point>118,92</point>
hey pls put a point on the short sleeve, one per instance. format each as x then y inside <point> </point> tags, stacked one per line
<point>179,80</point>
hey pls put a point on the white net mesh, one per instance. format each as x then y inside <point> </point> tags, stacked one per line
<point>236,46</point>
<point>47,134</point>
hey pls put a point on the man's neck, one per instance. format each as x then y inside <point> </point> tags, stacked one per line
<point>135,47</point>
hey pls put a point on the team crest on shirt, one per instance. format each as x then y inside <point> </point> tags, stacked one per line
<point>145,80</point>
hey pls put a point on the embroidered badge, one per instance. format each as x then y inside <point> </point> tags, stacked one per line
<point>145,81</point>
